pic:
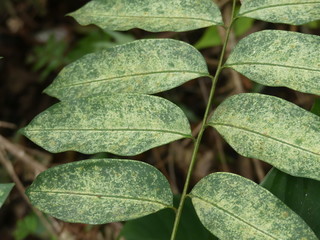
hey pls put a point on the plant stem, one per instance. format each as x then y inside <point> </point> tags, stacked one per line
<point>203,127</point>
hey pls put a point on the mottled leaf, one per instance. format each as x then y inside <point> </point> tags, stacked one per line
<point>5,189</point>
<point>300,194</point>
<point>232,207</point>
<point>150,15</point>
<point>143,66</point>
<point>279,58</point>
<point>124,124</point>
<point>100,191</point>
<point>295,12</point>
<point>272,130</point>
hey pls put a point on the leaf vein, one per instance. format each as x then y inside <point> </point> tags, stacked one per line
<point>99,195</point>
<point>156,17</point>
<point>131,75</point>
<point>272,64</point>
<point>267,136</point>
<point>277,5</point>
<point>236,217</point>
<point>111,130</point>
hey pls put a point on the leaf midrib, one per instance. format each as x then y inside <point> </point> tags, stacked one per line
<point>98,195</point>
<point>235,216</point>
<point>275,6</point>
<point>153,17</point>
<point>267,136</point>
<point>111,130</point>
<point>128,76</point>
<point>271,64</point>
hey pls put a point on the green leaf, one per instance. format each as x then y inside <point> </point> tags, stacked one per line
<point>272,130</point>
<point>295,12</point>
<point>316,107</point>
<point>300,194</point>
<point>158,226</point>
<point>143,66</point>
<point>100,191</point>
<point>26,226</point>
<point>124,124</point>
<point>150,15</point>
<point>279,58</point>
<point>232,207</point>
<point>5,189</point>
<point>242,26</point>
<point>210,38</point>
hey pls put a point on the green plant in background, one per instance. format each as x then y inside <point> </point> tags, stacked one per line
<point>30,225</point>
<point>106,106</point>
<point>55,53</point>
<point>211,37</point>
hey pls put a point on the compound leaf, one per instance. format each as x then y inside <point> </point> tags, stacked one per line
<point>232,207</point>
<point>150,15</point>
<point>143,66</point>
<point>279,58</point>
<point>295,12</point>
<point>100,191</point>
<point>272,130</point>
<point>124,124</point>
<point>5,189</point>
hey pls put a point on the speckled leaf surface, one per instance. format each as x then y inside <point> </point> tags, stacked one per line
<point>295,12</point>
<point>272,130</point>
<point>150,15</point>
<point>5,189</point>
<point>100,191</point>
<point>232,207</point>
<point>279,58</point>
<point>123,124</point>
<point>142,66</point>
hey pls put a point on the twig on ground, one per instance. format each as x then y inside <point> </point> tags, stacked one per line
<point>9,167</point>
<point>7,125</point>
<point>20,153</point>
